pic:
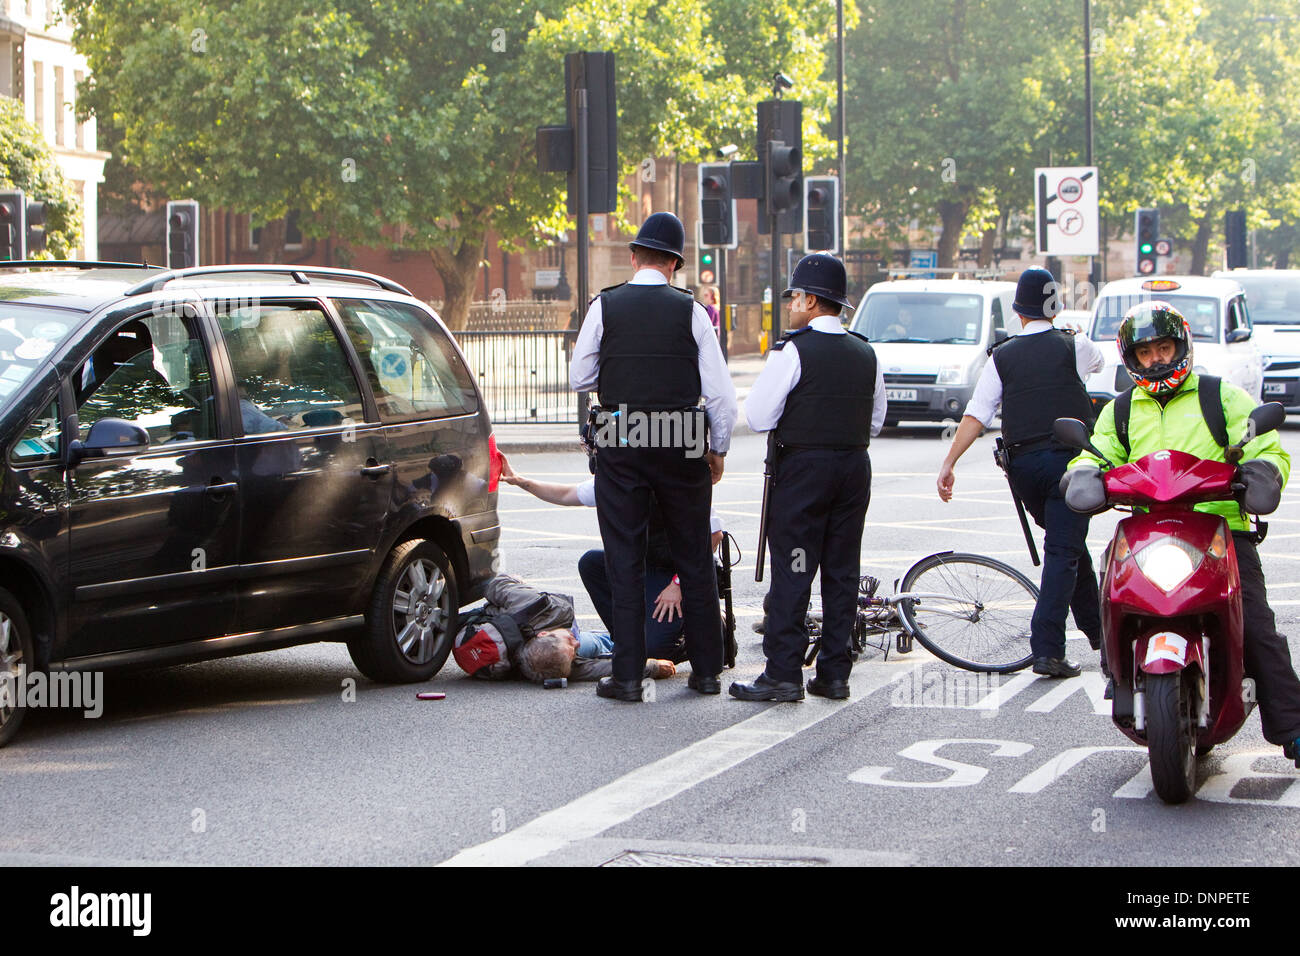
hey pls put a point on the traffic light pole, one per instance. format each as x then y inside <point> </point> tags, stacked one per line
<point>582,159</point>
<point>722,298</point>
<point>776,281</point>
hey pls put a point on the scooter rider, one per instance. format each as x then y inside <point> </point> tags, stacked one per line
<point>1165,412</point>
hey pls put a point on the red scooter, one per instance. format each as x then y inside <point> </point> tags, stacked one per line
<point>1171,606</point>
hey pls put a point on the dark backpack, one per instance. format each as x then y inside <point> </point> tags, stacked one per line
<point>1210,394</point>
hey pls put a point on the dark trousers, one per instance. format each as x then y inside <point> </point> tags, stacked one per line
<point>1268,659</point>
<point>815,516</point>
<point>663,639</point>
<point>1069,582</point>
<point>625,478</point>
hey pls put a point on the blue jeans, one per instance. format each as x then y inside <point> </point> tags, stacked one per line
<point>1069,582</point>
<point>663,639</point>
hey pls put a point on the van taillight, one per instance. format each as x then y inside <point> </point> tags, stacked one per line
<point>494,463</point>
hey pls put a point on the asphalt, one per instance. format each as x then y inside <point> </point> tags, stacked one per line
<point>542,438</point>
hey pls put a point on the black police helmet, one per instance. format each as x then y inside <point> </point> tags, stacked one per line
<point>663,232</point>
<point>1036,295</point>
<point>821,275</point>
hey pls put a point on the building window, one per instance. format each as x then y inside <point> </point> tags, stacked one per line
<point>59,107</point>
<point>79,135</point>
<point>38,96</point>
<point>292,234</point>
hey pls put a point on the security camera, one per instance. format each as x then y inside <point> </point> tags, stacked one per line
<point>781,82</point>
<point>729,150</point>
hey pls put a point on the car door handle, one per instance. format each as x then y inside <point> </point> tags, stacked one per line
<point>376,470</point>
<point>223,488</point>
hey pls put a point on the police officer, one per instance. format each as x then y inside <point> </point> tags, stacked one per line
<point>1037,376</point>
<point>824,394</point>
<point>649,351</point>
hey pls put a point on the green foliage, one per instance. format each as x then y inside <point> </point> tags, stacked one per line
<point>412,122</point>
<point>26,163</point>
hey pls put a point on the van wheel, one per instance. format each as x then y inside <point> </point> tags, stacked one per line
<point>16,659</point>
<point>411,621</point>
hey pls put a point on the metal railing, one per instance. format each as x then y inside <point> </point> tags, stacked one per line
<point>532,315</point>
<point>524,376</point>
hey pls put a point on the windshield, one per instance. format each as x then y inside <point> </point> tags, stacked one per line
<point>1273,300</point>
<point>27,336</point>
<point>937,317</point>
<point>1201,312</point>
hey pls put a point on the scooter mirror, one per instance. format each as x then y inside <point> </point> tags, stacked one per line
<point>1072,432</point>
<point>1268,417</point>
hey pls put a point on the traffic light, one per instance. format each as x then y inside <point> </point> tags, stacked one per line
<point>717,210</point>
<point>707,272</point>
<point>1234,227</point>
<point>35,229</point>
<point>821,219</point>
<point>781,180</point>
<point>780,155</point>
<point>1146,229</point>
<point>12,212</point>
<point>182,234</point>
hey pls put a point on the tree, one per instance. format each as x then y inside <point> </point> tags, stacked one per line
<point>411,123</point>
<point>26,163</point>
<point>937,117</point>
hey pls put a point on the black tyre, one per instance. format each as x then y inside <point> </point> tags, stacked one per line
<point>975,611</point>
<point>411,621</point>
<point>1171,736</point>
<point>16,660</point>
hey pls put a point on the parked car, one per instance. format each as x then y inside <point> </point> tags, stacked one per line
<point>931,337</point>
<point>214,461</point>
<point>1221,330</point>
<point>1274,299</point>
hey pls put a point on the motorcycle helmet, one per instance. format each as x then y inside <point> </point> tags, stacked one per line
<point>1147,322</point>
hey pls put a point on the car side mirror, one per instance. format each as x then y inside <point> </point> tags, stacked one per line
<point>110,438</point>
<point>1238,335</point>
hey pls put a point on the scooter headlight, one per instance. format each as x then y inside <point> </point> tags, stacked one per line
<point>1168,562</point>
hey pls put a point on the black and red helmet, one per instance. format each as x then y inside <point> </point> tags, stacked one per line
<point>1149,322</point>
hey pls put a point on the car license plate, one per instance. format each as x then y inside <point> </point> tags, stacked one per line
<point>1275,388</point>
<point>900,394</point>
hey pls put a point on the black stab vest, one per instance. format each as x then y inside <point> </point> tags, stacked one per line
<point>1040,383</point>
<point>649,359</point>
<point>831,405</point>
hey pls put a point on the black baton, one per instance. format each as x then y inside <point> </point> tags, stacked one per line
<point>768,463</point>
<point>1003,462</point>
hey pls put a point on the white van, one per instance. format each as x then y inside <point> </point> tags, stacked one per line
<point>1215,309</point>
<point>931,338</point>
<point>1274,299</point>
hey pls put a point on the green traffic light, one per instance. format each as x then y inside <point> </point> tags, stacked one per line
<point>1146,248</point>
<point>706,258</point>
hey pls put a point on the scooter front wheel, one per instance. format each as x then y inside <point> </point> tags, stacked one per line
<point>1171,735</point>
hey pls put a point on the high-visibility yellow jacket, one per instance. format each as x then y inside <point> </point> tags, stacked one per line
<point>1180,426</point>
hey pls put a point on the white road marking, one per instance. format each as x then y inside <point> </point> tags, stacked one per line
<point>648,786</point>
<point>1061,764</point>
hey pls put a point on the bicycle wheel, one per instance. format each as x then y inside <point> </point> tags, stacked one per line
<point>971,611</point>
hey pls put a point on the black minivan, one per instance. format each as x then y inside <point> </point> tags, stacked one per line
<point>214,461</point>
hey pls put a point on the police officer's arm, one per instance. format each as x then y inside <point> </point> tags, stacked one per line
<point>584,366</point>
<point>1088,359</point>
<point>879,402</point>
<point>716,387</point>
<point>766,401</point>
<point>981,408</point>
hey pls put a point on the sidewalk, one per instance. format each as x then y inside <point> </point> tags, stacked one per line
<point>536,439</point>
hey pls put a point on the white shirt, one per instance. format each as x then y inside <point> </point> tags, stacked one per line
<point>781,373</point>
<point>986,398</point>
<point>587,495</point>
<point>716,387</point>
